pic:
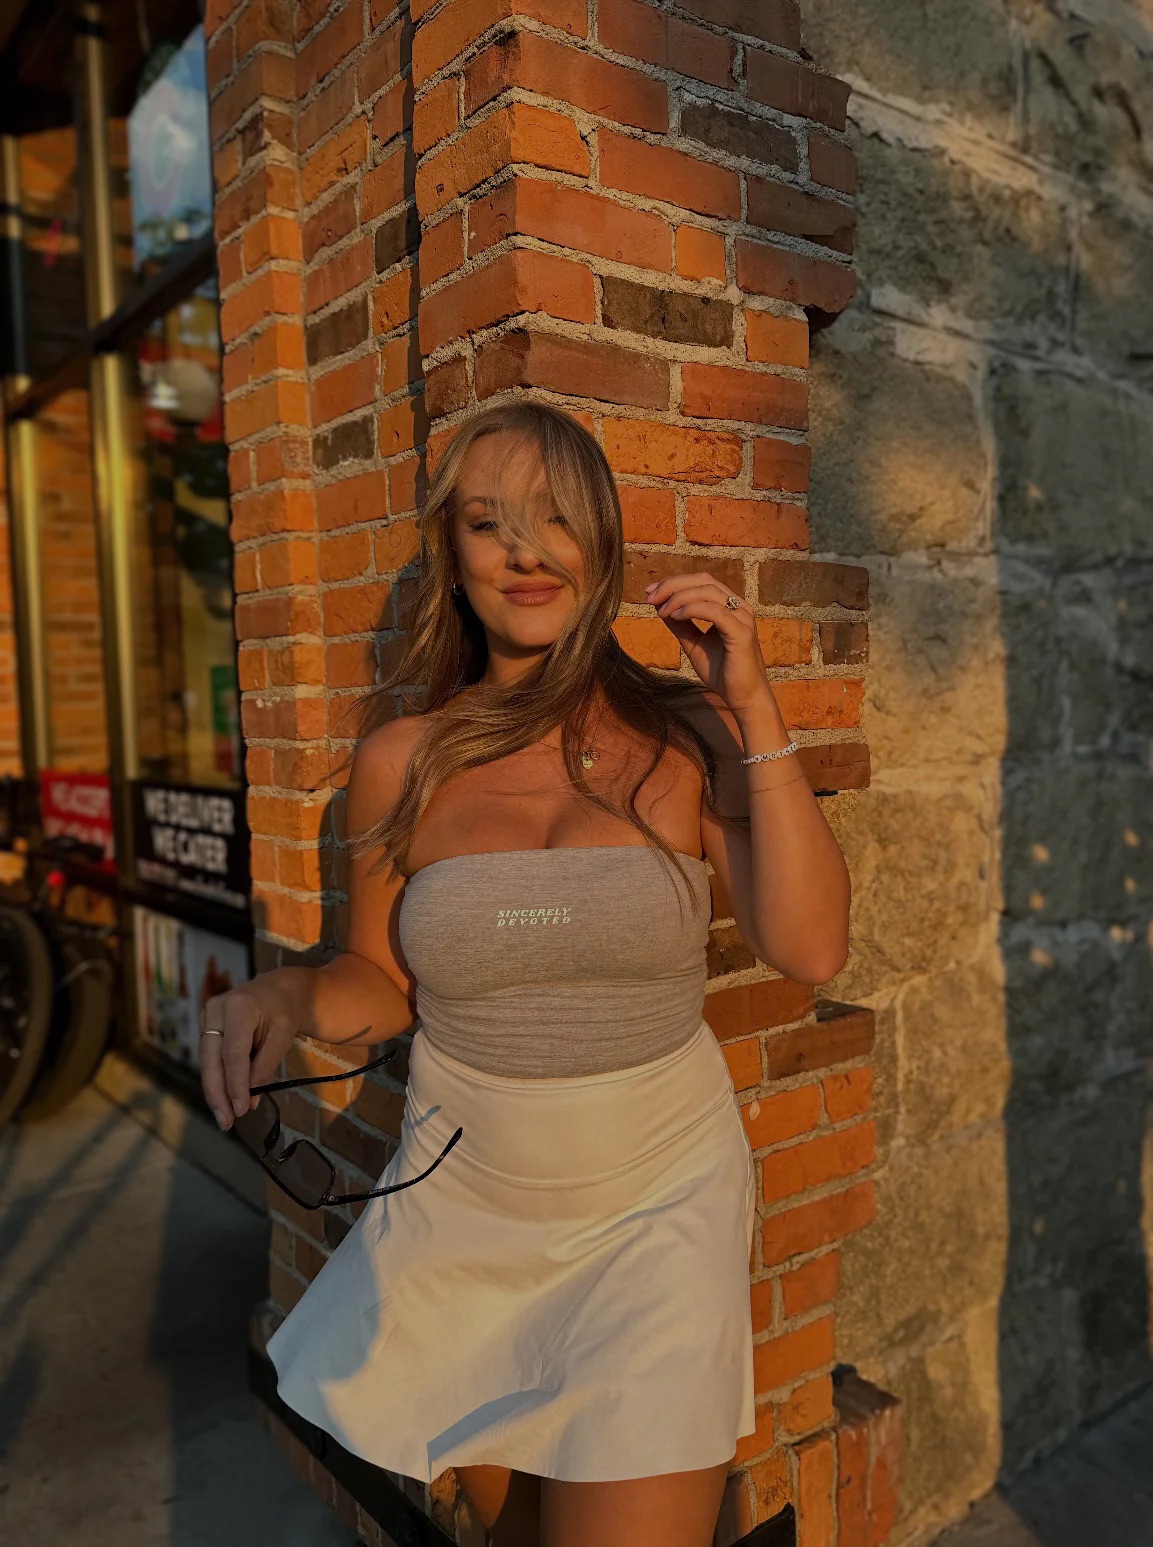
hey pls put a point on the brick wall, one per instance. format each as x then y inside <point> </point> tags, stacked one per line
<point>636,211</point>
<point>10,755</point>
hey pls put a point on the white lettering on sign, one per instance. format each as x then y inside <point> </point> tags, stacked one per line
<point>191,809</point>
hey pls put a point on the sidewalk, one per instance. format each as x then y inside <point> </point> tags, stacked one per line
<point>1097,1489</point>
<point>126,1278</point>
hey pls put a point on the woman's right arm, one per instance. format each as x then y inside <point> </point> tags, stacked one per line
<point>364,995</point>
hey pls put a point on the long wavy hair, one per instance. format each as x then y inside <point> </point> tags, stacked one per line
<point>585,669</point>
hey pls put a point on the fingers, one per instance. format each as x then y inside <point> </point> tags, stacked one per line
<point>225,1060</point>
<point>212,1062</point>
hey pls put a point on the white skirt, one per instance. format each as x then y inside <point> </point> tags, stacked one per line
<point>566,1294</point>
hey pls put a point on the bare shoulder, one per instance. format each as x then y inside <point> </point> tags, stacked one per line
<point>377,774</point>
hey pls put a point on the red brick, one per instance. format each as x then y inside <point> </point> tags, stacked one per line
<point>852,1485</point>
<point>540,64</point>
<point>819,703</point>
<point>781,1361</point>
<point>330,105</point>
<point>745,523</point>
<point>807,1407</point>
<point>832,164</point>
<point>290,562</point>
<point>571,217</point>
<point>813,584</point>
<point>734,1012</point>
<point>271,187</point>
<point>351,501</point>
<point>844,643</point>
<point>329,47</point>
<point>438,41</point>
<point>274,403</point>
<point>395,300</point>
<point>435,115</point>
<point>649,449</point>
<point>403,426</point>
<point>779,464</point>
<point>701,254</point>
<point>441,249</point>
<point>343,272</point>
<point>795,88</point>
<point>384,59</point>
<point>770,1480</point>
<point>344,389</point>
<point>267,74</point>
<point>848,1094</point>
<point>336,159</point>
<point>826,1158</point>
<point>816,1488</point>
<point>659,172</point>
<point>331,223</point>
<point>761,1440</point>
<point>643,32</point>
<point>814,1283</point>
<point>779,207</point>
<point>518,132</point>
<point>787,276</point>
<point>785,641</point>
<point>356,609</point>
<point>812,1225</point>
<point>776,340</point>
<point>834,1039</point>
<point>391,115</point>
<point>575,366</point>
<point>384,187</point>
<point>758,397</point>
<point>649,515</point>
<point>785,1115</point>
<point>517,281</point>
<point>269,511</point>
<point>776,21</point>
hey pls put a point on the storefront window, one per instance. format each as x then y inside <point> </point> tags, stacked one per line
<point>54,293</point>
<point>158,137</point>
<point>189,730</point>
<point>73,631</point>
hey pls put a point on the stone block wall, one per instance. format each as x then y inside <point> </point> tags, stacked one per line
<point>982,423</point>
<point>637,211</point>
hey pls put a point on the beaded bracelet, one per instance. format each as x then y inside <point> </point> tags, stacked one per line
<point>765,757</point>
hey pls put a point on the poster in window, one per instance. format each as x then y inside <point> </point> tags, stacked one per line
<point>178,969</point>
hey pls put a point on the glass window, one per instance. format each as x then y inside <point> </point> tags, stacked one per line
<point>158,139</point>
<point>70,571</point>
<point>56,314</point>
<point>188,700</point>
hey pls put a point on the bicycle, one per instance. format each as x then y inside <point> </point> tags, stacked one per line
<point>56,986</point>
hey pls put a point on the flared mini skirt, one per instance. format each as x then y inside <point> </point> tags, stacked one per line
<point>567,1293</point>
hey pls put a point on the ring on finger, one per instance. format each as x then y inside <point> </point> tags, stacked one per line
<point>210,1031</point>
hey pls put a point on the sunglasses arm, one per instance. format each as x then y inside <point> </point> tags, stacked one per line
<point>321,1079</point>
<point>379,1192</point>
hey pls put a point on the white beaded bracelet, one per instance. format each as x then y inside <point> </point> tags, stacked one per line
<point>766,757</point>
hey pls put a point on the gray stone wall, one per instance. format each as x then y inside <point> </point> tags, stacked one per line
<point>983,442</point>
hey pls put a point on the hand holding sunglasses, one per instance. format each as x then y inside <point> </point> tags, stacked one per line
<point>302,1170</point>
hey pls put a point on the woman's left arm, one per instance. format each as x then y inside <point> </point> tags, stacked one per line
<point>781,866</point>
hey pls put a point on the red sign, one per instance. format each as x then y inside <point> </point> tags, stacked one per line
<point>78,805</point>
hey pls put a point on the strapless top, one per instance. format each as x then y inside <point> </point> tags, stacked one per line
<point>545,962</point>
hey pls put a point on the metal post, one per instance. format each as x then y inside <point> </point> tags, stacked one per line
<point>27,596</point>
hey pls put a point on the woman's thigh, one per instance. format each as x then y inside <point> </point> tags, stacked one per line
<point>676,1509</point>
<point>505,1501</point>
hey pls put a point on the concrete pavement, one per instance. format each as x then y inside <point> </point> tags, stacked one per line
<point>1098,1489</point>
<point>126,1278</point>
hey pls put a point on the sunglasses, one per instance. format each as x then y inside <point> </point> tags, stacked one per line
<point>301,1170</point>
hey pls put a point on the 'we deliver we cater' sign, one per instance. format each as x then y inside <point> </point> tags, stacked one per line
<point>192,839</point>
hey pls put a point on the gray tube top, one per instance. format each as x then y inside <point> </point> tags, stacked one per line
<point>545,962</point>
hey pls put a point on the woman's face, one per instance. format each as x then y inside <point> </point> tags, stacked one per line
<point>520,601</point>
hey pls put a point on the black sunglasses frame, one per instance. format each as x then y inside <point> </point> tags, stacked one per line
<point>331,1200</point>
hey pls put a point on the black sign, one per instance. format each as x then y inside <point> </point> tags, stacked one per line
<point>192,839</point>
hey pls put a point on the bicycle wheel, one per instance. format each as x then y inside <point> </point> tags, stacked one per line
<point>78,1030</point>
<point>25,1006</point>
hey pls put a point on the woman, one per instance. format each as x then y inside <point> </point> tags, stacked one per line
<point>560,1310</point>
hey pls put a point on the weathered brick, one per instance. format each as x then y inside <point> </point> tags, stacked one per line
<point>435,115</point>
<point>676,315</point>
<point>643,32</point>
<point>329,47</point>
<point>396,238</point>
<point>352,500</point>
<point>743,135</point>
<point>785,584</point>
<point>660,172</point>
<point>816,1491</point>
<point>335,160</point>
<point>824,1158</point>
<point>330,224</point>
<point>700,254</point>
<point>354,441</point>
<point>777,207</point>
<point>338,332</point>
<point>518,132</point>
<point>832,164</point>
<point>718,521</point>
<point>438,41</point>
<point>775,21</point>
<point>344,389</point>
<point>759,397</point>
<point>776,340</point>
<point>848,1094</point>
<point>344,271</point>
<point>795,88</point>
<point>517,281</point>
<point>571,217</point>
<point>541,64</point>
<point>781,1361</point>
<point>580,367</point>
<point>811,1284</point>
<point>788,276</point>
<point>819,703</point>
<point>812,1225</point>
<point>844,644</point>
<point>836,1038</point>
<point>649,449</point>
<point>395,300</point>
<point>786,1115</point>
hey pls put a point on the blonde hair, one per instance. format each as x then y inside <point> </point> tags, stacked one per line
<point>446,648</point>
